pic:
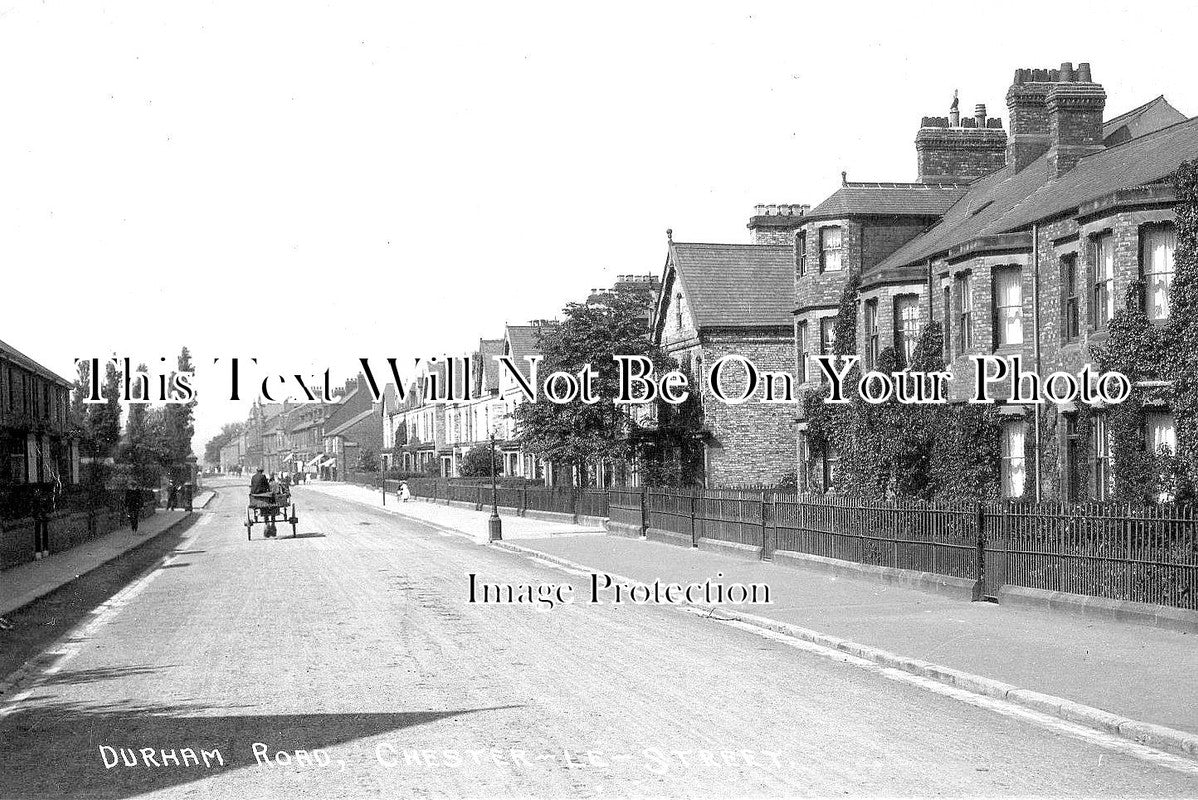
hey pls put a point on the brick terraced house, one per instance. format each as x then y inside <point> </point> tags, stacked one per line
<point>1032,258</point>
<point>733,299</point>
<point>36,446</point>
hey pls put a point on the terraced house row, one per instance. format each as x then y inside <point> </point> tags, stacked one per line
<point>1020,240</point>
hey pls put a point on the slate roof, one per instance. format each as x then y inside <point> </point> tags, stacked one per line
<point>17,357</point>
<point>1146,159</point>
<point>349,423</point>
<point>736,285</point>
<point>461,377</point>
<point>1005,201</point>
<point>524,342</point>
<point>490,369</point>
<point>1152,116</point>
<point>915,199</point>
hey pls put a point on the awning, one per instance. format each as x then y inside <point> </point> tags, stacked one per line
<point>315,459</point>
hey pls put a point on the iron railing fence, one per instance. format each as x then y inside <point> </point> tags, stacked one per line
<point>1145,554</point>
<point>1142,553</point>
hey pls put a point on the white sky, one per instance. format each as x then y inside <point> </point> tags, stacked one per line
<point>310,183</point>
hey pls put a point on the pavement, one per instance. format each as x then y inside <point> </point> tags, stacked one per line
<point>349,662</point>
<point>1093,662</point>
<point>24,583</point>
<point>455,517</point>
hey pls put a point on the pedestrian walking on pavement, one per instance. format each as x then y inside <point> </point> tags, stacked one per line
<point>172,495</point>
<point>405,494</point>
<point>41,523</point>
<point>133,504</point>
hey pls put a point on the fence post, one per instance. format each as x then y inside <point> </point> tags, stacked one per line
<point>523,500</point>
<point>574,503</point>
<point>979,586</point>
<point>767,552</point>
<point>644,512</point>
<point>478,497</point>
<point>694,527</point>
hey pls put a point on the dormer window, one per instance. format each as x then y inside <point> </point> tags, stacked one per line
<point>831,249</point>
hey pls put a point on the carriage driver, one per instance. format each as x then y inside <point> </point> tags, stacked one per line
<point>259,483</point>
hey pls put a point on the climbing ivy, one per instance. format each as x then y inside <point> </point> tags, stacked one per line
<point>893,449</point>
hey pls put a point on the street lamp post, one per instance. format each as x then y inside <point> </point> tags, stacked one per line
<point>494,525</point>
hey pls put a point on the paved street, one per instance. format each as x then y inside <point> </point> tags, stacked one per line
<point>355,643</point>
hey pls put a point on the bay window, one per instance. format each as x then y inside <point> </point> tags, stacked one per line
<point>906,326</point>
<point>964,313</point>
<point>1156,261</point>
<point>1014,463</point>
<point>871,334</point>
<point>1102,458</point>
<point>1102,252</point>
<point>1070,314</point>
<point>1160,432</point>
<point>831,249</point>
<point>1008,306</point>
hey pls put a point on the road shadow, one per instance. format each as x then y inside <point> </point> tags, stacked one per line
<point>82,676</point>
<point>57,750</point>
<point>176,565</point>
<point>37,624</point>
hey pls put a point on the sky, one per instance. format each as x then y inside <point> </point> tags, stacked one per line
<point>311,183</point>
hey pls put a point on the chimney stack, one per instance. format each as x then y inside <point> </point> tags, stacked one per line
<point>1027,109</point>
<point>1074,119</point>
<point>954,150</point>
<point>776,223</point>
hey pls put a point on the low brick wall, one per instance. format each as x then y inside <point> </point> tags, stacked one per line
<point>66,531</point>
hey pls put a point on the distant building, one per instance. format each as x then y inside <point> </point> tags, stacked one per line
<point>36,446</point>
<point>352,429</point>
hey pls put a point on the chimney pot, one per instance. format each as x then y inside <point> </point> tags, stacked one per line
<point>979,113</point>
<point>1067,72</point>
<point>771,210</point>
<point>759,211</point>
<point>1083,72</point>
<point>844,178</point>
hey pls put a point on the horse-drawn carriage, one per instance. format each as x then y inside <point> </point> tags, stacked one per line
<point>267,508</point>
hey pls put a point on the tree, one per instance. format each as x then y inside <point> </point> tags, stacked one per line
<point>578,434</point>
<point>228,433</point>
<point>142,447</point>
<point>104,419</point>
<point>180,425</point>
<point>477,462</point>
<point>368,460</point>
